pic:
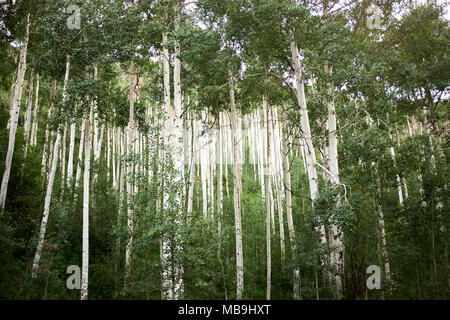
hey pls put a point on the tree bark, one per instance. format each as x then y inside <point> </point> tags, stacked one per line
<point>86,178</point>
<point>48,195</point>
<point>15,115</point>
<point>237,190</point>
<point>34,126</point>
<point>27,124</point>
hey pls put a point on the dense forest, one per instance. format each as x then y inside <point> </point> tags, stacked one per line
<point>212,149</point>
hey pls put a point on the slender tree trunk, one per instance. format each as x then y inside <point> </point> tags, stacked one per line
<point>237,191</point>
<point>268,198</point>
<point>34,126</point>
<point>310,155</point>
<point>71,151</point>
<point>336,241</point>
<point>130,144</point>
<point>63,157</point>
<point>178,161</point>
<point>27,124</point>
<point>48,195</point>
<point>167,281</point>
<point>290,220</point>
<point>47,137</point>
<point>277,178</point>
<point>13,92</point>
<point>192,167</point>
<point>80,155</point>
<point>15,115</point>
<point>86,178</point>
<point>220,176</point>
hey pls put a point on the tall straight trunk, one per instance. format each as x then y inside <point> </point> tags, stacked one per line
<point>27,124</point>
<point>290,220</point>
<point>192,166</point>
<point>261,157</point>
<point>121,165</point>
<point>15,115</point>
<point>63,157</point>
<point>337,255</point>
<point>96,143</point>
<point>204,173</point>
<point>48,195</point>
<point>80,155</point>
<point>220,176</point>
<point>71,151</point>
<point>95,137</point>
<point>310,155</point>
<point>86,178</point>
<point>306,137</point>
<point>47,140</point>
<point>130,145</point>
<point>177,160</point>
<point>237,190</point>
<point>268,199</point>
<point>34,126</point>
<point>13,92</point>
<point>108,152</point>
<point>113,156</point>
<point>397,176</point>
<point>277,177</point>
<point>381,225</point>
<point>167,281</point>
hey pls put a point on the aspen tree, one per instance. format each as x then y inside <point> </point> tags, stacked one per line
<point>48,195</point>
<point>178,149</point>
<point>63,156</point>
<point>34,126</point>
<point>15,114</point>
<point>167,281</point>
<point>86,178</point>
<point>130,152</point>
<point>237,190</point>
<point>309,151</point>
<point>27,125</point>
<point>290,220</point>
<point>268,198</point>
<point>337,255</point>
<point>71,151</point>
<point>219,174</point>
<point>47,137</point>
<point>80,155</point>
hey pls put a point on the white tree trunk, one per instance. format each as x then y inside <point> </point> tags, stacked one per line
<point>130,145</point>
<point>219,176</point>
<point>310,155</point>
<point>337,255</point>
<point>177,160</point>
<point>71,151</point>
<point>48,195</point>
<point>47,137</point>
<point>290,220</point>
<point>63,157</point>
<point>34,126</point>
<point>15,115</point>
<point>86,178</point>
<point>268,199</point>
<point>27,124</point>
<point>167,281</point>
<point>192,143</point>
<point>80,155</point>
<point>237,191</point>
